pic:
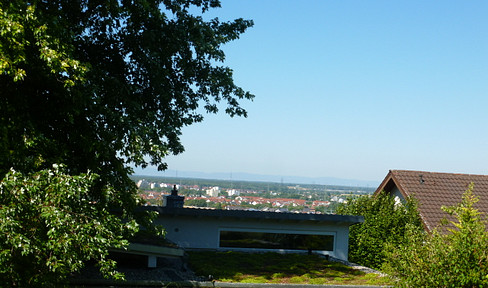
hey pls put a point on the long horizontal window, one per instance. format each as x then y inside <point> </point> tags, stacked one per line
<point>287,241</point>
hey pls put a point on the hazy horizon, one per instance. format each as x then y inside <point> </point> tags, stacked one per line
<point>243,176</point>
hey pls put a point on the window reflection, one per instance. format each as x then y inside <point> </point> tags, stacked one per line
<point>288,241</point>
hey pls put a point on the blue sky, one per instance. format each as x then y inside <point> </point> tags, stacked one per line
<point>351,89</point>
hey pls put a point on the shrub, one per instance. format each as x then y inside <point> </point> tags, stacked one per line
<point>458,258</point>
<point>385,221</point>
<point>50,227</point>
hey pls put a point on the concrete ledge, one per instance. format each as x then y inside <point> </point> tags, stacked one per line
<point>133,283</point>
<point>159,251</point>
<point>110,283</point>
<point>152,252</point>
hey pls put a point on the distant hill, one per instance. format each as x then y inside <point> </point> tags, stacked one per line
<point>257,177</point>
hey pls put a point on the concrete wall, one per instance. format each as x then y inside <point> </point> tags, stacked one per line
<point>203,232</point>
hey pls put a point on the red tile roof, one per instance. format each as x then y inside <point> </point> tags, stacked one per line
<point>434,190</point>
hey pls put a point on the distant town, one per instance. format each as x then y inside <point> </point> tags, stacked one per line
<point>247,195</point>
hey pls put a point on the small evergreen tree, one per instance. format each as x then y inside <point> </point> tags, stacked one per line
<point>385,221</point>
<point>458,258</point>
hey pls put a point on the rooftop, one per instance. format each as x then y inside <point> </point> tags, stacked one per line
<point>434,190</point>
<point>262,215</point>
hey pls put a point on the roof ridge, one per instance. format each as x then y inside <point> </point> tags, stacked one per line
<point>430,172</point>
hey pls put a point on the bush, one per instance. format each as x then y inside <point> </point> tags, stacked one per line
<point>456,258</point>
<point>385,221</point>
<point>50,227</point>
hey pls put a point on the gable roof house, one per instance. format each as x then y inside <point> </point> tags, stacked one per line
<point>434,190</point>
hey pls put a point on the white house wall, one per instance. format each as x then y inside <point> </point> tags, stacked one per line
<point>203,232</point>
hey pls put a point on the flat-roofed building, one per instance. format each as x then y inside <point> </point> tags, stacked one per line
<point>257,231</point>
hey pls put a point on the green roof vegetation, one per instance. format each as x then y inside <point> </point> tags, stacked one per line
<point>278,268</point>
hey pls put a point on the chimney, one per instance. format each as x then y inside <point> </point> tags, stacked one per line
<point>173,200</point>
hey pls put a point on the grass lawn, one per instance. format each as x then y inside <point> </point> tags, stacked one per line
<point>278,268</point>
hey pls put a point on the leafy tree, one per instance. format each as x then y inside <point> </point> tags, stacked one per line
<point>452,256</point>
<point>49,227</point>
<point>385,221</point>
<point>99,86</point>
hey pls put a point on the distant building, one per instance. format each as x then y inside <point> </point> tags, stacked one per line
<point>233,192</point>
<point>320,203</point>
<point>142,184</point>
<point>213,192</point>
<point>337,199</point>
<point>139,183</point>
